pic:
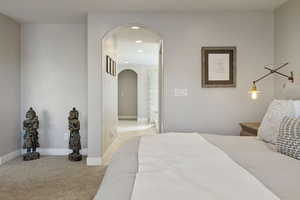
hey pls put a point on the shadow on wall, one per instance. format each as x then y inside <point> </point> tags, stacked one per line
<point>44,135</point>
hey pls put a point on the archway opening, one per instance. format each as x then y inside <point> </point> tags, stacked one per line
<point>131,49</point>
<point>127,95</point>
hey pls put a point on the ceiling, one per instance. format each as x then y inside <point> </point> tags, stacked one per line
<point>75,11</point>
<point>129,52</point>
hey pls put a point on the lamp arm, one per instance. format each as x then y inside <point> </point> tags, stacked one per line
<point>283,65</point>
<point>274,71</point>
<point>277,72</point>
<point>263,77</point>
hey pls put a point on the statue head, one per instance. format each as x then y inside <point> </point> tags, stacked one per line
<point>73,114</point>
<point>30,114</point>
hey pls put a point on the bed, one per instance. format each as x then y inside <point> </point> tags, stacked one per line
<point>278,173</point>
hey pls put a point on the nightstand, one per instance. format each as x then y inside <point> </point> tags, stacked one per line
<point>249,129</point>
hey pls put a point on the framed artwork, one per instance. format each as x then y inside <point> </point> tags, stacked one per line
<point>107,64</point>
<point>113,68</point>
<point>219,67</point>
<point>110,66</point>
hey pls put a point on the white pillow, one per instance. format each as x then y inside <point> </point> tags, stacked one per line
<point>297,108</point>
<point>278,109</point>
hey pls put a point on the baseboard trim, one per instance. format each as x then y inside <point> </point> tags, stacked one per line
<point>9,156</point>
<point>93,161</point>
<point>42,151</point>
<point>124,117</point>
<point>56,152</point>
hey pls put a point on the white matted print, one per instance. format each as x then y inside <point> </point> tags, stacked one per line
<point>218,67</point>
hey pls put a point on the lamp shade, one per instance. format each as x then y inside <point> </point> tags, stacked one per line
<point>254,92</point>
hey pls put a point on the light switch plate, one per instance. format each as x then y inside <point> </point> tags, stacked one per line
<point>180,92</point>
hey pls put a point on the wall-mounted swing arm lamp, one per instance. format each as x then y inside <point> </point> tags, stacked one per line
<point>254,90</point>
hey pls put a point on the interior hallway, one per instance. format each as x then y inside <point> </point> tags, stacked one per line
<point>128,129</point>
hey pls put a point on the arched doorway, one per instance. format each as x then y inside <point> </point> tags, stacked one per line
<point>137,48</point>
<point>127,95</point>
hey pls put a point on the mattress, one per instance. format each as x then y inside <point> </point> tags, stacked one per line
<point>279,173</point>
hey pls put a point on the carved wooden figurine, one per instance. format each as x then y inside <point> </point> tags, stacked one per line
<point>74,143</point>
<point>31,139</point>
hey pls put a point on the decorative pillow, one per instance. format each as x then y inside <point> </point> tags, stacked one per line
<point>288,141</point>
<point>297,108</point>
<point>269,128</point>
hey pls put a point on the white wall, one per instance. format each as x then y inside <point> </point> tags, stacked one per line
<point>54,79</point>
<point>110,99</point>
<point>204,110</point>
<point>153,93</point>
<point>10,33</point>
<point>287,44</point>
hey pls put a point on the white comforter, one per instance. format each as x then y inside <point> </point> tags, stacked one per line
<point>180,166</point>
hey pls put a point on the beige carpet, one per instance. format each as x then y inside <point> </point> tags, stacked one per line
<point>49,178</point>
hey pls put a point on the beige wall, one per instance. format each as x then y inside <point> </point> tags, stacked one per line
<point>287,44</point>
<point>217,111</point>
<point>9,86</point>
<point>54,79</point>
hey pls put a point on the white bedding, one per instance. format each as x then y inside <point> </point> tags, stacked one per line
<point>180,166</point>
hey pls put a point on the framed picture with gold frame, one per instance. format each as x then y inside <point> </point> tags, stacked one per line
<point>219,67</point>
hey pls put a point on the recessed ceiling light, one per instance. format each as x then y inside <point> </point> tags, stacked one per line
<point>138,41</point>
<point>140,51</point>
<point>126,62</point>
<point>135,27</point>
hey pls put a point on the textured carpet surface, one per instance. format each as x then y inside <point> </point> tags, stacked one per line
<point>49,178</point>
